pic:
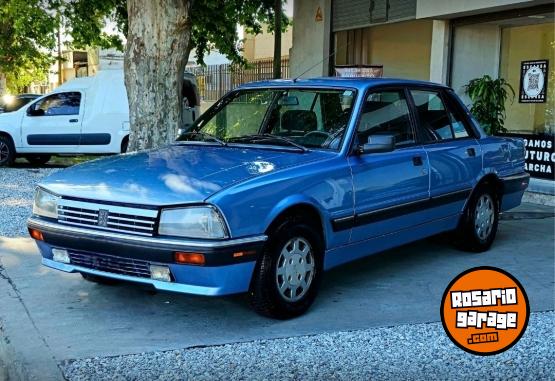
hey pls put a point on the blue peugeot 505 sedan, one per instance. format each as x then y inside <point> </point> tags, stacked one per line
<point>276,183</point>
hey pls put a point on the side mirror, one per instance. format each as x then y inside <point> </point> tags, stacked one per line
<point>378,143</point>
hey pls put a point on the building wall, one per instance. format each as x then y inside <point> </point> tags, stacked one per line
<point>457,8</point>
<point>402,48</point>
<point>475,53</point>
<point>261,46</point>
<point>311,38</point>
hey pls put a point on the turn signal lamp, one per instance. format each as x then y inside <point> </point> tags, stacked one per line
<point>36,234</point>
<point>189,258</point>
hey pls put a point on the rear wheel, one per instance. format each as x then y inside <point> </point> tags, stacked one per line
<point>38,159</point>
<point>7,151</point>
<point>99,279</point>
<point>478,226</point>
<point>288,275</point>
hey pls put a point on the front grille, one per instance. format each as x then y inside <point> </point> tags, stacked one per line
<point>110,263</point>
<point>107,217</point>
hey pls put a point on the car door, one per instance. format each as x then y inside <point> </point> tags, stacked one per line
<point>53,123</point>
<point>388,186</point>
<point>453,152</point>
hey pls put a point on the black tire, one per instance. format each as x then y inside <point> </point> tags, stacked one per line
<point>265,295</point>
<point>38,159</point>
<point>7,151</point>
<point>99,279</point>
<point>475,234</point>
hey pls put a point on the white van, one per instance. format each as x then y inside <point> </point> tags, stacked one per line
<point>87,115</point>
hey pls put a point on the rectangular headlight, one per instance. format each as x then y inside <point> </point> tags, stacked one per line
<point>192,222</point>
<point>46,204</point>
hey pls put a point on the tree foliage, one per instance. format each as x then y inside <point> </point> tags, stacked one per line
<point>28,31</point>
<point>29,27</point>
<point>214,24</point>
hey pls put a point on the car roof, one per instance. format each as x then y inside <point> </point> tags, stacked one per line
<point>359,83</point>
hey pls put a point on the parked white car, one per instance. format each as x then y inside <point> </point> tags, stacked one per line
<point>83,116</point>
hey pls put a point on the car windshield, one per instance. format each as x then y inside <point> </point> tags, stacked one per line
<point>297,118</point>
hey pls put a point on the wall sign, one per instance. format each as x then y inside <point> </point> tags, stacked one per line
<point>540,154</point>
<point>533,81</point>
<point>319,16</point>
<point>368,71</point>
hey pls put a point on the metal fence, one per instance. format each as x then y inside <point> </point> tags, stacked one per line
<point>216,80</point>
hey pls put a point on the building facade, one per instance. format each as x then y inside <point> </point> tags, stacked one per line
<point>446,41</point>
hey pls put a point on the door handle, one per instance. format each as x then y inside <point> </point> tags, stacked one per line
<point>73,120</point>
<point>417,161</point>
<point>471,152</point>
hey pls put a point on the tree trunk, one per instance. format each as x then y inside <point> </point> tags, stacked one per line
<point>3,87</point>
<point>277,39</point>
<point>155,59</point>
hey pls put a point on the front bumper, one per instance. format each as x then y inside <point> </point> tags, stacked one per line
<point>112,254</point>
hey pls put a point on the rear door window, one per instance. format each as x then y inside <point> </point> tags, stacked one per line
<point>438,121</point>
<point>386,112</point>
<point>435,123</point>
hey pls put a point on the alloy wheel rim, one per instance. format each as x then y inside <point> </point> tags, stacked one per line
<point>295,269</point>
<point>484,216</point>
<point>4,151</point>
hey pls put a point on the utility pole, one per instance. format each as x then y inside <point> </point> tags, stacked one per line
<point>277,39</point>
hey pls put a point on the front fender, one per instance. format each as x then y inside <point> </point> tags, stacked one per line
<point>10,124</point>
<point>300,200</point>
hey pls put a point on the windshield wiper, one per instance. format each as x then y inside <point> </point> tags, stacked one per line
<point>205,135</point>
<point>270,137</point>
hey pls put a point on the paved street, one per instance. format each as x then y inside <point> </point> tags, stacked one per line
<point>48,316</point>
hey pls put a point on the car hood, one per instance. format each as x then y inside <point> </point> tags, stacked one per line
<point>171,175</point>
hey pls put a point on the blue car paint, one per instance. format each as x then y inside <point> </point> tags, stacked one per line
<point>383,180</point>
<point>208,281</point>
<point>252,186</point>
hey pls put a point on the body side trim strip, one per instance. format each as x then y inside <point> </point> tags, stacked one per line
<point>364,218</point>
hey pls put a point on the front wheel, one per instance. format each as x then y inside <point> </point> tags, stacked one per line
<point>478,226</point>
<point>7,151</point>
<point>287,276</point>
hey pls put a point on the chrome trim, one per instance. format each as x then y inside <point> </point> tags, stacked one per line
<point>123,219</point>
<point>518,176</point>
<point>105,229</point>
<point>112,208</point>
<point>35,223</point>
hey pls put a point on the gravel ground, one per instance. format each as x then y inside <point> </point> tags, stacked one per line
<point>16,197</point>
<point>409,352</point>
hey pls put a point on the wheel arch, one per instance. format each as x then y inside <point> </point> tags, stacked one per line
<point>124,144</point>
<point>6,134</point>
<point>302,208</point>
<point>493,180</point>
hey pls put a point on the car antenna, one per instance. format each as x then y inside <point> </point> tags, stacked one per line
<point>319,62</point>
